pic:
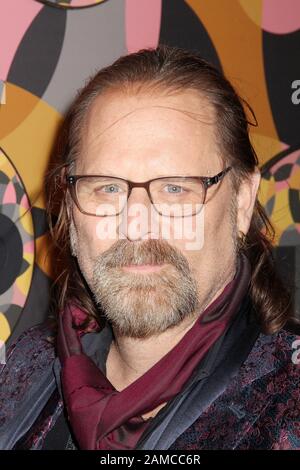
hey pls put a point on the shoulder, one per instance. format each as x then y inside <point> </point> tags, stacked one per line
<point>270,354</point>
<point>280,342</point>
<point>268,388</point>
<point>34,345</point>
<point>26,361</point>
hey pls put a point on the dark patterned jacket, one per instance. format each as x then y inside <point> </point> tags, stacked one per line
<point>252,405</point>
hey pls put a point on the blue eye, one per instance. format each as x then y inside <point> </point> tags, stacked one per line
<point>110,188</point>
<point>174,189</point>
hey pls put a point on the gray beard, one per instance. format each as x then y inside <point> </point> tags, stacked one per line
<point>140,305</point>
<point>145,304</point>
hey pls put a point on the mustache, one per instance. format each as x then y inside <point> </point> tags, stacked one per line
<point>151,251</point>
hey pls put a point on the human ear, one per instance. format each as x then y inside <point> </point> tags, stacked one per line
<point>246,197</point>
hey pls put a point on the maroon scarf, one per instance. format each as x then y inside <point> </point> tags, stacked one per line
<point>102,417</point>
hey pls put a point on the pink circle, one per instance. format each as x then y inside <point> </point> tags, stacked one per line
<point>281,16</point>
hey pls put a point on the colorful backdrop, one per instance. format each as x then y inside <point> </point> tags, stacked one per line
<point>48,49</point>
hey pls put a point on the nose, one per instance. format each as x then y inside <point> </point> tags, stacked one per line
<point>138,219</point>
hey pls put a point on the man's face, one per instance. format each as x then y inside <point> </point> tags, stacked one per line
<point>141,137</point>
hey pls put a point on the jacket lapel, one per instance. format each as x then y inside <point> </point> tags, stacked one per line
<point>235,412</point>
<point>212,383</point>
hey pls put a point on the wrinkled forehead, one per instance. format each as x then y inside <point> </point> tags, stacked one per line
<point>177,124</point>
<point>112,111</point>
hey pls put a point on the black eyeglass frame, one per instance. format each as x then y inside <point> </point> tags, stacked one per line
<point>207,182</point>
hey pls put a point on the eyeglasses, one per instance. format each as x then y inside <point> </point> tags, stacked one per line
<point>175,196</point>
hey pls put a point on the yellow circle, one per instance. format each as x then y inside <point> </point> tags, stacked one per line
<point>4,328</point>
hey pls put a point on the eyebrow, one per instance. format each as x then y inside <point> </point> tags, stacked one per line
<point>99,173</point>
<point>123,177</point>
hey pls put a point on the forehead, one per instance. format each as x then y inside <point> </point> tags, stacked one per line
<point>133,128</point>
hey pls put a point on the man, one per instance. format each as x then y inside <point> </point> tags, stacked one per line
<point>170,315</point>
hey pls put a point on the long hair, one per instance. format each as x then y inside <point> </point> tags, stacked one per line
<point>174,70</point>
